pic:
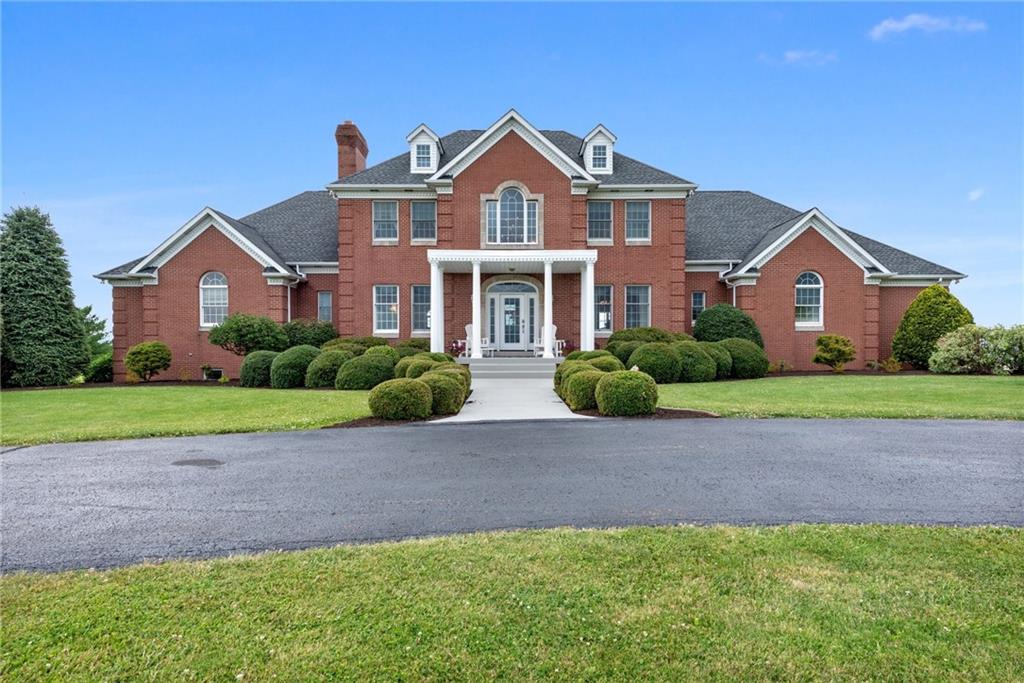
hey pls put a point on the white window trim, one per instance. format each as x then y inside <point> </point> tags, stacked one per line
<point>416,332</point>
<point>203,325</point>
<point>625,227</point>
<point>416,156</point>
<point>611,312</point>
<point>398,317</point>
<point>330,306</point>
<point>385,241</point>
<point>422,240</point>
<point>703,304</point>
<point>528,197</point>
<point>602,241</point>
<point>625,304</point>
<point>811,325</point>
<point>594,156</point>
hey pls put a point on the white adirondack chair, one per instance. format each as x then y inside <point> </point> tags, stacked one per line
<point>558,345</point>
<point>485,343</point>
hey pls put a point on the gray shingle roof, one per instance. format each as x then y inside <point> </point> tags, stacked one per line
<point>254,236</point>
<point>899,261</point>
<point>301,229</point>
<point>395,171</point>
<point>121,269</point>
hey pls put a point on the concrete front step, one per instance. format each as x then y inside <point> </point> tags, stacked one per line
<point>513,368</point>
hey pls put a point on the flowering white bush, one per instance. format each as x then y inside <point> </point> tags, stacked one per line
<point>973,349</point>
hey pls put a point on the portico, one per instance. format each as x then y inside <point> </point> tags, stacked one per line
<point>510,306</point>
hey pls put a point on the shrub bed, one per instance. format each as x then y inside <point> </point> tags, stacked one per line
<point>460,372</point>
<point>447,393</point>
<point>417,343</point>
<point>385,351</point>
<point>364,372</point>
<point>288,370</point>
<point>579,387</point>
<point>719,354</point>
<point>323,371</point>
<point>400,399</point>
<point>420,365</point>
<point>623,350</point>
<point>308,332</point>
<point>627,392</point>
<point>933,313</point>
<point>344,345</point>
<point>608,363</point>
<point>657,359</point>
<point>695,365</point>
<point>723,321</point>
<point>567,366</point>
<point>256,369</point>
<point>643,334</point>
<point>437,356</point>
<point>749,361</point>
<point>972,349</point>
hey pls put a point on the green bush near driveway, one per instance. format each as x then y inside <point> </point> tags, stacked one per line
<point>437,357</point>
<point>365,342</point>
<point>933,313</point>
<point>657,359</point>
<point>401,399</point>
<point>419,365</point>
<point>623,350</point>
<point>147,359</point>
<point>256,369</point>
<point>719,354</point>
<point>625,393</point>
<point>723,321</point>
<point>323,370</point>
<point>749,361</point>
<point>402,366</point>
<point>568,366</point>
<point>695,365</point>
<point>578,389</point>
<point>460,372</point>
<point>607,363</point>
<point>288,370</point>
<point>447,392</point>
<point>364,372</point>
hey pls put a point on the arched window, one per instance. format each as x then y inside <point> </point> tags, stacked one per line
<point>213,299</point>
<point>808,299</point>
<point>512,219</point>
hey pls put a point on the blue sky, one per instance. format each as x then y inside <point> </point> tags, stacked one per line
<point>900,121</point>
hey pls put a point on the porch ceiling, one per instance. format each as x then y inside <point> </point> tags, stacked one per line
<point>512,260</point>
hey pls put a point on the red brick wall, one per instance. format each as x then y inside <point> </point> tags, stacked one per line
<point>893,303</point>
<point>304,296</point>
<point>715,292</point>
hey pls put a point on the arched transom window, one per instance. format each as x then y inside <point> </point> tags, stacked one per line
<point>511,219</point>
<point>808,299</point>
<point>213,299</point>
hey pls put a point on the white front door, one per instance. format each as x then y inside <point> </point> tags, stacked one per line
<point>513,321</point>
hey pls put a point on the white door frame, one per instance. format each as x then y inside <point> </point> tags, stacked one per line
<point>497,320</point>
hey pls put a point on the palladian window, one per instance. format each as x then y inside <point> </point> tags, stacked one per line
<point>213,299</point>
<point>808,299</point>
<point>512,219</point>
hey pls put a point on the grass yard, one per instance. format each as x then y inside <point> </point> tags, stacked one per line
<point>679,603</point>
<point>50,415</point>
<point>888,396</point>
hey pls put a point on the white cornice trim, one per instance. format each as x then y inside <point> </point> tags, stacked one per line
<point>384,193</point>
<point>512,255</point>
<point>603,193</point>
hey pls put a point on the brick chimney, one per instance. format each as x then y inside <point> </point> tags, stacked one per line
<point>352,149</point>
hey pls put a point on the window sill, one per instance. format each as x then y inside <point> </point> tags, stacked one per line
<point>385,243</point>
<point>810,328</point>
<point>423,242</point>
<point>421,333</point>
<point>602,334</point>
<point>386,334</point>
<point>600,243</point>
<point>638,243</point>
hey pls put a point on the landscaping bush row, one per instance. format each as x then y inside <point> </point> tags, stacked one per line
<point>599,381</point>
<point>976,350</point>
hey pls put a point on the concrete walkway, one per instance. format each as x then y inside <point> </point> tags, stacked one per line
<point>519,398</point>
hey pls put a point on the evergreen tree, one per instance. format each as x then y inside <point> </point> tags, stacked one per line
<point>95,332</point>
<point>933,313</point>
<point>43,340</point>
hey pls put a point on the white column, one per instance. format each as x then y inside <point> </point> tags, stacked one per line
<point>583,310</point>
<point>475,341</point>
<point>436,305</point>
<point>549,342</point>
<point>588,290</point>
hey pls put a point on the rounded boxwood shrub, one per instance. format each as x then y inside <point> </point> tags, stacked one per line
<point>695,365</point>
<point>364,372</point>
<point>386,351</point>
<point>366,342</point>
<point>148,359</point>
<point>607,363</point>
<point>323,371</point>
<point>256,369</point>
<point>242,333</point>
<point>723,361</point>
<point>402,366</point>
<point>567,366</point>
<point>723,321</point>
<point>343,345</point>
<point>406,351</point>
<point>446,391</point>
<point>682,336</point>
<point>100,369</point>
<point>420,365</point>
<point>623,350</point>
<point>657,359</point>
<point>417,343</point>
<point>749,361</point>
<point>574,355</point>
<point>437,356</point>
<point>642,334</point>
<point>460,372</point>
<point>289,367</point>
<point>312,332</point>
<point>579,387</point>
<point>399,399</point>
<point>933,313</point>
<point>627,392</point>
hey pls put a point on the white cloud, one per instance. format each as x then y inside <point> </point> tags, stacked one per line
<point>975,194</point>
<point>806,57</point>
<point>926,23</point>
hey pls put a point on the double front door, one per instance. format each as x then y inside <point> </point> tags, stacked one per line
<point>514,321</point>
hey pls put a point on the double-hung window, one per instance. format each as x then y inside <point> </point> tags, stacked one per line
<point>602,308</point>
<point>422,156</point>
<point>808,300</point>
<point>213,299</point>
<point>599,221</point>
<point>324,305</point>
<point>511,219</point>
<point>599,156</point>
<point>638,222</point>
<point>424,221</point>
<point>385,308</point>
<point>421,308</point>
<point>638,305</point>
<point>697,301</point>
<point>385,222</point>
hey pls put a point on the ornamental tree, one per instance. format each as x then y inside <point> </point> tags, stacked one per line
<point>43,341</point>
<point>834,350</point>
<point>932,314</point>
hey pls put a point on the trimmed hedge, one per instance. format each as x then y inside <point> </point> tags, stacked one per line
<point>447,394</point>
<point>364,372</point>
<point>695,365</point>
<point>657,359</point>
<point>461,372</point>
<point>400,399</point>
<point>749,361</point>
<point>623,350</point>
<point>420,365</point>
<point>366,342</point>
<point>567,366</point>
<point>323,371</point>
<point>579,387</point>
<point>417,343</point>
<point>723,321</point>
<point>256,369</point>
<point>100,369</point>
<point>933,313</point>
<point>386,351</point>
<point>718,353</point>
<point>342,345</point>
<point>436,356</point>
<point>627,392</point>
<point>148,359</point>
<point>402,366</point>
<point>608,363</point>
<point>309,332</point>
<point>643,334</point>
<point>242,333</point>
<point>289,367</point>
<point>588,355</point>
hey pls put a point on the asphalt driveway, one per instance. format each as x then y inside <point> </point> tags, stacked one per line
<point>118,502</point>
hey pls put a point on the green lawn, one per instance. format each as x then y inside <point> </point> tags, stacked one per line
<point>901,396</point>
<point>49,415</point>
<point>680,603</point>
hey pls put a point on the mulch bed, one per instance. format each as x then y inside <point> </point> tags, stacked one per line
<point>659,414</point>
<point>378,422</point>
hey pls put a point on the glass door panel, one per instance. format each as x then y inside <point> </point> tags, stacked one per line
<point>512,313</point>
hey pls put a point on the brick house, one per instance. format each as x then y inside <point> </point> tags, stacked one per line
<point>495,236</point>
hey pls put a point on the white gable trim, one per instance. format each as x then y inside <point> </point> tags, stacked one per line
<point>425,129</point>
<point>512,122</point>
<point>816,220</point>
<point>599,128</point>
<point>197,225</point>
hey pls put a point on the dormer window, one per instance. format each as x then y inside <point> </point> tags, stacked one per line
<point>600,156</point>
<point>597,151</point>
<point>424,150</point>
<point>422,156</point>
